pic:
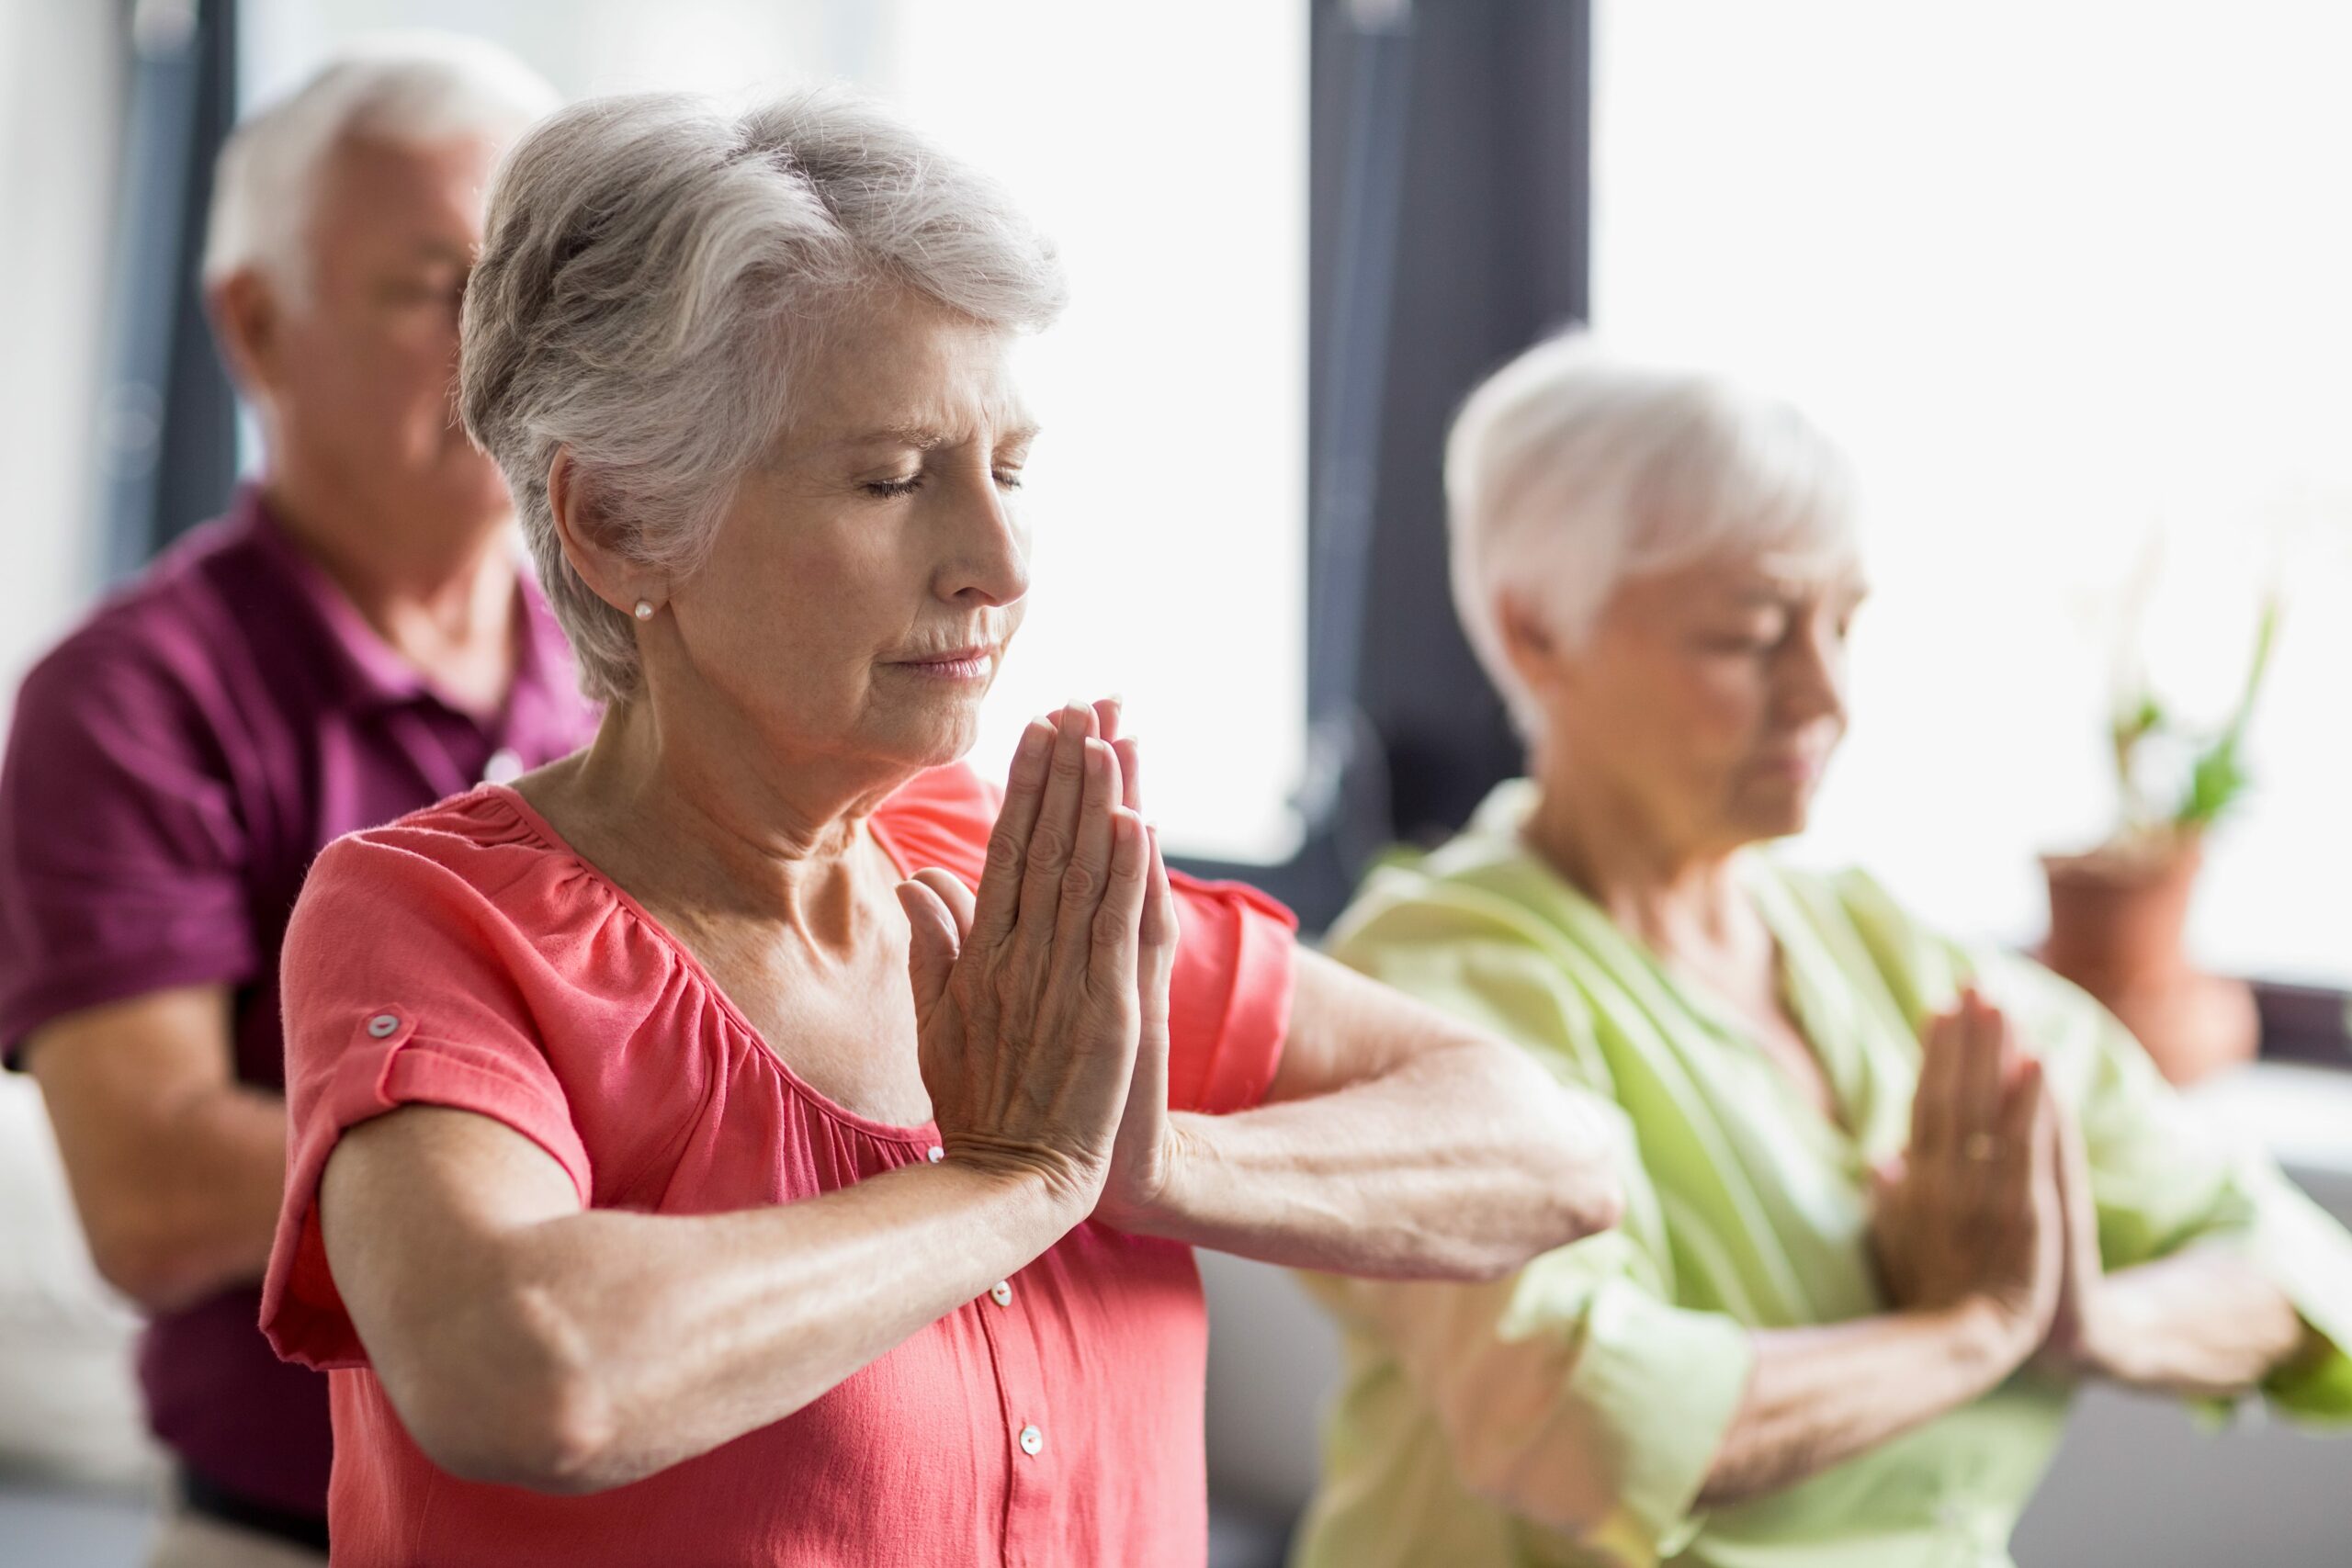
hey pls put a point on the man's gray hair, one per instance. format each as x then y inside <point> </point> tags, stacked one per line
<point>1569,472</point>
<point>656,272</point>
<point>412,89</point>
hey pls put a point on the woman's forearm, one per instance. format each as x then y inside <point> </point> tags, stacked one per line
<point>694,1331</point>
<point>1456,1164</point>
<point>1821,1395</point>
<point>588,1349</point>
<point>2202,1324</point>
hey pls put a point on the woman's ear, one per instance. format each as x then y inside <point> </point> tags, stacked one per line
<point>1529,644</point>
<point>587,541</point>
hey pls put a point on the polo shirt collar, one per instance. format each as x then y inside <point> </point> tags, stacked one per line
<point>361,670</point>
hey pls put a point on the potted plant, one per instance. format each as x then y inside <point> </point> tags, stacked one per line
<point>2119,912</point>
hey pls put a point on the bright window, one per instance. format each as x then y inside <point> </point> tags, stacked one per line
<point>2063,277</point>
<point>1166,151</point>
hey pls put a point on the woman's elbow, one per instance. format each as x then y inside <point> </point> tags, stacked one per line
<point>1573,1160</point>
<point>523,1408</point>
<point>1566,1208</point>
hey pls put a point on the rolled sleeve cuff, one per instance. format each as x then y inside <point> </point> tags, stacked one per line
<point>386,1066</point>
<point>1667,1380</point>
<point>2308,1256</point>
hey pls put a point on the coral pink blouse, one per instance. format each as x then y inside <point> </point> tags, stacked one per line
<point>465,956</point>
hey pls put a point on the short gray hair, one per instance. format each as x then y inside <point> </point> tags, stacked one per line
<point>655,272</point>
<point>412,89</point>
<point>1569,472</point>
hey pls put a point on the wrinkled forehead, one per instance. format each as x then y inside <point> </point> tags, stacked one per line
<point>903,369</point>
<point>1829,572</point>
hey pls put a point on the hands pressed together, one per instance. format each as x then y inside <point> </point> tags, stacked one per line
<point>1990,1207</point>
<point>1041,999</point>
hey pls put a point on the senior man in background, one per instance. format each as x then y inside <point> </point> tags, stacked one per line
<point>351,641</point>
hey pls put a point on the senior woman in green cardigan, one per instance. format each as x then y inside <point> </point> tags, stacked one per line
<point>1890,1198</point>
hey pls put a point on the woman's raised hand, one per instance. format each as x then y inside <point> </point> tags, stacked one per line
<point>2075,1348</point>
<point>1144,1156</point>
<point>1026,999</point>
<point>1973,1219</point>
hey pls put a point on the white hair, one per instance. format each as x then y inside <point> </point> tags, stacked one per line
<point>655,274</point>
<point>1568,472</point>
<point>412,89</point>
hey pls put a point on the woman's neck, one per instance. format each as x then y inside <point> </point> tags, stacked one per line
<point>1681,897</point>
<point>682,816</point>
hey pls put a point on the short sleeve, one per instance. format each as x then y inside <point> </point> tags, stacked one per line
<point>1575,1394</point>
<point>1228,1002</point>
<point>123,861</point>
<point>401,988</point>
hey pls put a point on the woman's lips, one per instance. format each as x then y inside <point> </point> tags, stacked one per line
<point>1803,769</point>
<point>957,664</point>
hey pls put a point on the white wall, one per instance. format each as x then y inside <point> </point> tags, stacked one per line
<point>68,1406</point>
<point>59,110</point>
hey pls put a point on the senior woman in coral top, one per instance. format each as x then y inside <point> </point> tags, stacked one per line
<point>1892,1197</point>
<point>641,1207</point>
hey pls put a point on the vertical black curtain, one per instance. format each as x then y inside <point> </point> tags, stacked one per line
<point>1450,172</point>
<point>1491,251</point>
<point>168,427</point>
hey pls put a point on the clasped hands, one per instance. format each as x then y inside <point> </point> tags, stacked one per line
<point>1041,997</point>
<point>1989,1210</point>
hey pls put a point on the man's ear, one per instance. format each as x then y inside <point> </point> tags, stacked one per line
<point>587,540</point>
<point>249,324</point>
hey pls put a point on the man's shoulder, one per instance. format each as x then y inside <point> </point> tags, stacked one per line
<point>170,627</point>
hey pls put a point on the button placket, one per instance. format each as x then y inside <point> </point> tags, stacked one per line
<point>1032,1476</point>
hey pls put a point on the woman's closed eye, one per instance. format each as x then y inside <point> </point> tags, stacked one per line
<point>1757,638</point>
<point>885,490</point>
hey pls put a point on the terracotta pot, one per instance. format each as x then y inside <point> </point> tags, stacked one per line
<point>2117,922</point>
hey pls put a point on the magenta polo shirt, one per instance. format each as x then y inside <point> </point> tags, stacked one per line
<point>173,767</point>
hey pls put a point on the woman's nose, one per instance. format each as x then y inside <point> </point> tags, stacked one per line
<point>1813,683</point>
<point>991,563</point>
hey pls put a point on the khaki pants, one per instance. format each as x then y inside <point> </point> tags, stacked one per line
<point>193,1541</point>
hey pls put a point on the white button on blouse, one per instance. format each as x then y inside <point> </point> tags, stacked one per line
<point>1032,1440</point>
<point>1002,1293</point>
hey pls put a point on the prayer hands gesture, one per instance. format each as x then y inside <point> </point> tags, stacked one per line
<point>1041,1001</point>
<point>1973,1215</point>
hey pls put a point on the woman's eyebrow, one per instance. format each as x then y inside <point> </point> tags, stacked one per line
<point>926,437</point>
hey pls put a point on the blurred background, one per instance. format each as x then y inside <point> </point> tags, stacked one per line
<point>2066,278</point>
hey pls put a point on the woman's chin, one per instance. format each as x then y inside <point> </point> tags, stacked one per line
<point>934,739</point>
<point>1778,812</point>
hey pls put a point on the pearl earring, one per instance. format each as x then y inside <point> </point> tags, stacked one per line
<point>645,609</point>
